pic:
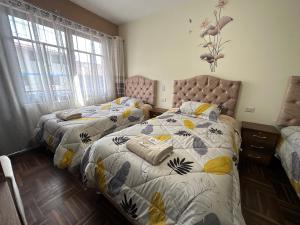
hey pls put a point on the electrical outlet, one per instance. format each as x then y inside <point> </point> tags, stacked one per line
<point>163,99</point>
<point>250,109</point>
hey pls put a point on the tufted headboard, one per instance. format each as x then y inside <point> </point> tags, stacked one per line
<point>142,88</point>
<point>207,89</point>
<point>290,110</point>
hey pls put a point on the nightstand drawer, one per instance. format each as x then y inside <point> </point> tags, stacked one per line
<point>259,139</point>
<point>256,156</point>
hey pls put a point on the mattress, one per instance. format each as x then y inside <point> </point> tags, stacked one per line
<point>69,139</point>
<point>288,151</point>
<point>197,184</point>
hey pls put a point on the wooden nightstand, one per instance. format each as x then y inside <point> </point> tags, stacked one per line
<point>154,112</point>
<point>259,142</point>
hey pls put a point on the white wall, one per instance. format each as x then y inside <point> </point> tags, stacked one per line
<point>263,53</point>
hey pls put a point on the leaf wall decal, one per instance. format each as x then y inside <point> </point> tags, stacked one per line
<point>157,214</point>
<point>199,146</point>
<point>115,184</point>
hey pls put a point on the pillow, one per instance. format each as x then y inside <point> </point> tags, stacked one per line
<point>121,101</point>
<point>134,102</point>
<point>201,109</point>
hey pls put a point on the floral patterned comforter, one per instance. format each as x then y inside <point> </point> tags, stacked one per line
<point>288,150</point>
<point>197,185</point>
<point>68,139</point>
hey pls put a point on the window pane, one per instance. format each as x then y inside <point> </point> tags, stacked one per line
<point>82,44</point>
<point>98,47</point>
<point>21,28</point>
<point>48,35</point>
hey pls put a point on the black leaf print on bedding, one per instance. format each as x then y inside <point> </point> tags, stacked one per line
<point>203,125</point>
<point>164,117</point>
<point>85,138</point>
<point>129,206</point>
<point>180,166</point>
<point>133,118</point>
<point>209,219</point>
<point>183,133</point>
<point>84,163</point>
<point>120,140</point>
<point>115,184</point>
<point>215,131</point>
<point>113,119</point>
<point>199,146</point>
<point>144,123</point>
<point>171,120</point>
<point>148,129</point>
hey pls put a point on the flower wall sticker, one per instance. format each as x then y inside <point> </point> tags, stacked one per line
<point>211,34</point>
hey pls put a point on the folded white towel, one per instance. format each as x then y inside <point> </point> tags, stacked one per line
<point>150,149</point>
<point>68,115</point>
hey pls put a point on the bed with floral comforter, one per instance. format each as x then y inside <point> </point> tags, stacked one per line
<point>197,185</point>
<point>69,139</point>
<point>288,150</point>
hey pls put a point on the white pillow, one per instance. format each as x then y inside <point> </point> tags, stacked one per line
<point>201,109</point>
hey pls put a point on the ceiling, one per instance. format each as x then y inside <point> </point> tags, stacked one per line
<point>124,11</point>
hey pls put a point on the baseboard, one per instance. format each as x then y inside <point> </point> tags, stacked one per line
<point>24,150</point>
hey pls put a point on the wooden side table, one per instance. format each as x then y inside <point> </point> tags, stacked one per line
<point>155,111</point>
<point>259,142</point>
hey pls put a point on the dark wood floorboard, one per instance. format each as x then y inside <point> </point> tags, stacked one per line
<point>55,197</point>
<point>267,195</point>
<point>52,196</point>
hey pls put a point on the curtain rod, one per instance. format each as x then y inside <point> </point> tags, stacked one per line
<point>58,16</point>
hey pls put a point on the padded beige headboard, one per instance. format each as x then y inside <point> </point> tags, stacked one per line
<point>142,88</point>
<point>207,89</point>
<point>290,110</point>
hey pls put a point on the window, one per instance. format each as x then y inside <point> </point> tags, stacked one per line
<point>46,60</point>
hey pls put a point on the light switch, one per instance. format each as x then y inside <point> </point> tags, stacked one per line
<point>163,87</point>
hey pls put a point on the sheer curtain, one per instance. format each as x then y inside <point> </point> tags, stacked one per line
<point>48,63</point>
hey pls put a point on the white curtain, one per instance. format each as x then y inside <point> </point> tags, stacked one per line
<point>48,63</point>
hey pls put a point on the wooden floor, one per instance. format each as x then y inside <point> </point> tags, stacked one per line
<point>267,195</point>
<point>52,196</point>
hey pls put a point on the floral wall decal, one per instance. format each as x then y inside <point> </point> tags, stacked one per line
<point>211,35</point>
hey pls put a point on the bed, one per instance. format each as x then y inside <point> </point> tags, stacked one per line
<point>197,184</point>
<point>69,139</point>
<point>288,149</point>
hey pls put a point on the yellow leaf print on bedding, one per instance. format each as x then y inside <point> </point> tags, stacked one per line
<point>67,159</point>
<point>105,107</point>
<point>162,137</point>
<point>202,108</point>
<point>118,101</point>
<point>157,214</point>
<point>100,176</point>
<point>126,113</point>
<point>296,185</point>
<point>234,146</point>
<point>188,124</point>
<point>220,165</point>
